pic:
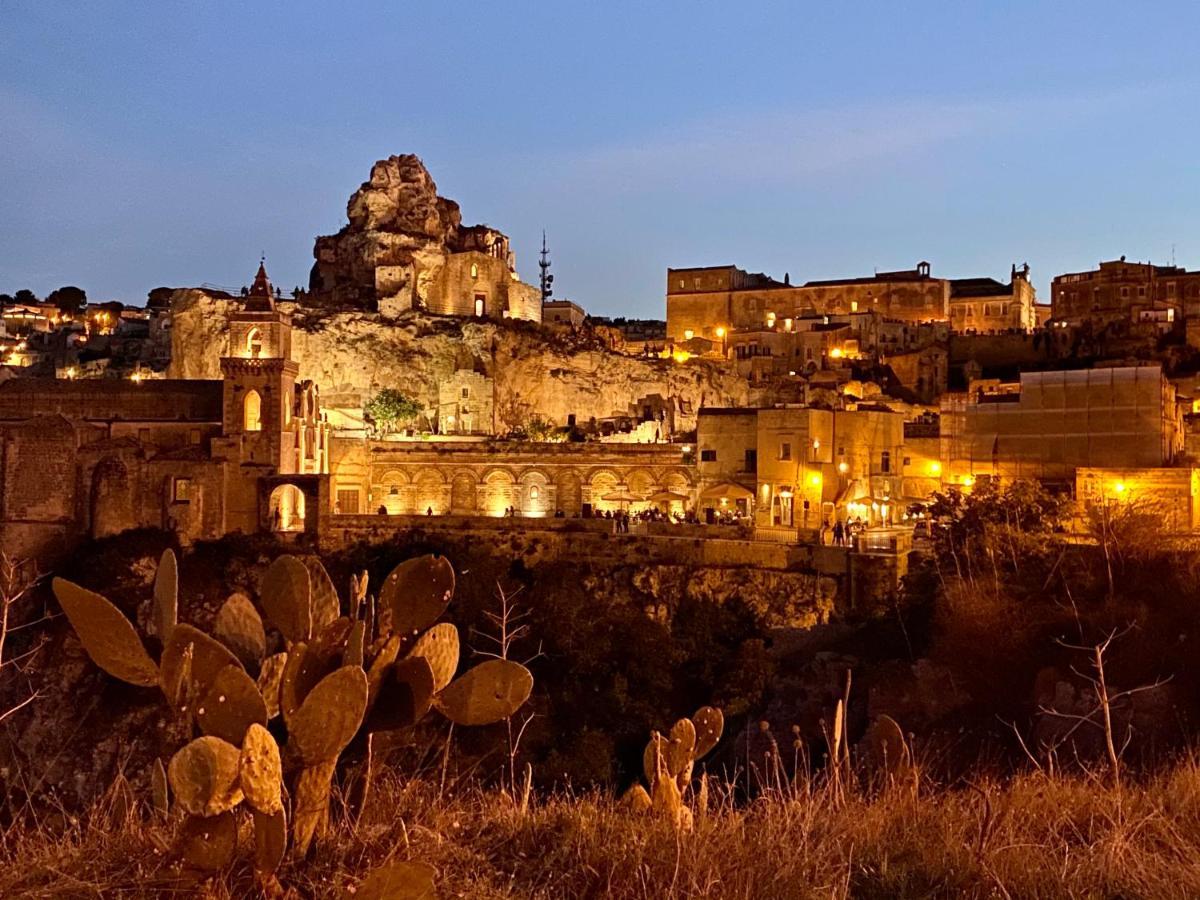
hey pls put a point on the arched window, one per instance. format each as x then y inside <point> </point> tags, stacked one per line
<point>252,412</point>
<point>254,343</point>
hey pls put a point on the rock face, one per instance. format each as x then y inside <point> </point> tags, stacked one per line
<point>403,249</point>
<point>352,355</point>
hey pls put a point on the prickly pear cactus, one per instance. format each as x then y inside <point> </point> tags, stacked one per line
<point>108,637</point>
<point>668,762</point>
<point>342,677</point>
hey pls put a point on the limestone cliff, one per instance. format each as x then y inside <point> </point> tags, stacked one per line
<point>351,355</point>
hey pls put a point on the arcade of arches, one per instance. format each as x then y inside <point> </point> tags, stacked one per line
<point>533,480</point>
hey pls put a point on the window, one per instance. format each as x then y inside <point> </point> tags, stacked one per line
<point>474,270</point>
<point>1141,290</point>
<point>785,450</point>
<point>347,502</point>
<point>194,436</point>
<point>708,456</point>
<point>750,464</point>
<point>688,334</point>
<point>181,490</point>
<point>534,492</point>
<point>254,343</point>
<point>853,306</point>
<point>681,283</point>
<point>885,461</point>
<point>696,282</point>
<point>466,393</point>
<point>480,304</point>
<point>1125,293</point>
<point>908,460</point>
<point>252,412</point>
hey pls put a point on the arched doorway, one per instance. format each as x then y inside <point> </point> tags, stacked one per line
<point>111,498</point>
<point>462,494</point>
<point>252,412</point>
<point>429,493</point>
<point>287,508</point>
<point>568,492</point>
<point>498,490</point>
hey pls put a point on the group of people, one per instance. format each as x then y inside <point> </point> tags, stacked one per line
<point>842,532</point>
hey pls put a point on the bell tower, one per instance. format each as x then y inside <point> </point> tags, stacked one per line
<point>260,383</point>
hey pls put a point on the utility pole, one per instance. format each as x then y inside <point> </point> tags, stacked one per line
<point>544,265</point>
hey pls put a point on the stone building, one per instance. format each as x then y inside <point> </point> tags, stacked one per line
<point>802,466</point>
<point>1119,291</point>
<point>985,305</point>
<point>405,248</point>
<point>1049,424</point>
<point>199,457</point>
<point>487,478</point>
<point>465,404</point>
<point>712,302</point>
<point>563,312</point>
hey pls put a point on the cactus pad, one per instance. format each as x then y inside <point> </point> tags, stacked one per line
<point>270,840</point>
<point>204,776</point>
<point>397,881</point>
<point>239,627</point>
<point>231,705</point>
<point>270,677</point>
<point>260,771</point>
<point>208,658</point>
<point>710,723</point>
<point>160,797</point>
<point>323,598</point>
<point>208,844</point>
<point>355,649</point>
<point>439,645</point>
<point>286,596</point>
<point>681,746</point>
<point>311,804</point>
<point>637,800</point>
<point>329,716</point>
<point>654,758</point>
<point>488,693</point>
<point>166,595</point>
<point>417,592</point>
<point>108,637</point>
<point>404,696</point>
<point>379,665</point>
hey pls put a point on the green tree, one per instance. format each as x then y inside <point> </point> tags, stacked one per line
<point>25,297</point>
<point>537,428</point>
<point>69,299</point>
<point>390,408</point>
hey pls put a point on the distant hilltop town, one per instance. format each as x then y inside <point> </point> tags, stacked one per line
<point>416,376</point>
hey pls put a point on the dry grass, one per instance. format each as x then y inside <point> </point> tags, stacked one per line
<point>1035,836</point>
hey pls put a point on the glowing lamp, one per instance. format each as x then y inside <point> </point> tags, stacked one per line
<point>720,331</point>
<point>836,352</point>
<point>1119,487</point>
<point>843,468</point>
<point>935,468</point>
<point>968,480</point>
<point>814,480</point>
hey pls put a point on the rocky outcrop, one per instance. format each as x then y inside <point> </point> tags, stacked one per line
<point>396,243</point>
<point>351,355</point>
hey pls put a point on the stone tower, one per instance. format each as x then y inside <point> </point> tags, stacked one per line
<point>260,383</point>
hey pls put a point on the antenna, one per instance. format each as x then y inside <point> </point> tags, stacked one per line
<point>544,264</point>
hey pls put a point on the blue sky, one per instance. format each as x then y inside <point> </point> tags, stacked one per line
<point>146,144</point>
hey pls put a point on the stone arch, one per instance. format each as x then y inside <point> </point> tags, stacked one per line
<point>393,491</point>
<point>499,490</point>
<point>429,492</point>
<point>568,491</point>
<point>640,483</point>
<point>603,482</point>
<point>252,411</point>
<point>535,495</point>
<point>676,482</point>
<point>111,498</point>
<point>254,342</point>
<point>287,508</point>
<point>462,493</point>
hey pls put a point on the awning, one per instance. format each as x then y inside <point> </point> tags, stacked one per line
<point>668,497</point>
<point>854,491</point>
<point>620,497</point>
<point>729,491</point>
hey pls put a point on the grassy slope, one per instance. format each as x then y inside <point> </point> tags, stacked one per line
<point>1034,836</point>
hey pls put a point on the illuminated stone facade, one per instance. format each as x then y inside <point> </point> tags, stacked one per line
<point>1118,291</point>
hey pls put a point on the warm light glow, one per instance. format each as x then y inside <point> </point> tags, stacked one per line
<point>136,377</point>
<point>1119,487</point>
<point>816,443</point>
<point>836,352</point>
<point>688,334</point>
<point>721,331</point>
<point>935,468</point>
<point>843,468</point>
<point>687,448</point>
<point>968,480</point>
<point>814,480</point>
<point>71,372</point>
<point>681,356</point>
